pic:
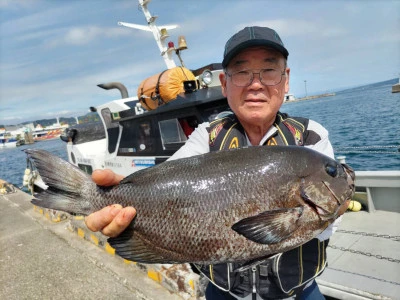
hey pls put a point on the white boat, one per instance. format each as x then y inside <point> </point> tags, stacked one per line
<point>53,131</point>
<point>396,87</point>
<point>364,254</point>
<point>7,141</point>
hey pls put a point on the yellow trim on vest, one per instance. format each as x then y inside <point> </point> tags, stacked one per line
<point>297,122</point>
<point>226,135</point>
<point>272,142</point>
<point>211,273</point>
<point>281,134</point>
<point>215,121</point>
<point>319,258</point>
<point>234,144</point>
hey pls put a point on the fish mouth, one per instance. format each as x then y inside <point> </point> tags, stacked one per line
<point>321,212</point>
<point>341,208</point>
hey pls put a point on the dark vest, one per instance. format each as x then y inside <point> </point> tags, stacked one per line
<point>285,274</point>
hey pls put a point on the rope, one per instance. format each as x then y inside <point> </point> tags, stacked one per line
<point>369,149</point>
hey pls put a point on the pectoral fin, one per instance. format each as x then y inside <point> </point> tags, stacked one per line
<point>271,226</point>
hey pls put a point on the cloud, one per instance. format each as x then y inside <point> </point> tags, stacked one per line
<point>33,19</point>
<point>59,113</point>
<point>72,95</point>
<point>17,4</point>
<point>11,119</point>
<point>292,27</point>
<point>86,35</point>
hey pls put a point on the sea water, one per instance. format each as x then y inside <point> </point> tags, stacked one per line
<point>363,125</point>
<point>13,160</point>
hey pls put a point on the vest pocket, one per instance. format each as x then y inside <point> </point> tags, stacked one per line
<point>293,269</point>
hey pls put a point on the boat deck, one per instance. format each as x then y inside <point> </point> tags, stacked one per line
<point>364,257</point>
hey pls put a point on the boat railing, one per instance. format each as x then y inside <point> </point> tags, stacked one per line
<point>378,190</point>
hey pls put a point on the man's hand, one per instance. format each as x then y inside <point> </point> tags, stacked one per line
<point>106,177</point>
<point>113,219</point>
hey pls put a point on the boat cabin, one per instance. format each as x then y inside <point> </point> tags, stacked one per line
<point>138,138</point>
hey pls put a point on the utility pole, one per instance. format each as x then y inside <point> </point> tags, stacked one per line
<point>305,86</point>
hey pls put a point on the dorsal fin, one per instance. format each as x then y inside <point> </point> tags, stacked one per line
<point>132,177</point>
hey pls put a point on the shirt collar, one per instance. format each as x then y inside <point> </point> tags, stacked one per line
<point>271,131</point>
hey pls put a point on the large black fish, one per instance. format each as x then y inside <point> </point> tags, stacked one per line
<point>226,206</point>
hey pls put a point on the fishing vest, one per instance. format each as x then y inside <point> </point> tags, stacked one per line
<point>284,274</point>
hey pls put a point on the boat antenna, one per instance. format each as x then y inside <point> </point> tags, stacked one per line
<point>159,35</point>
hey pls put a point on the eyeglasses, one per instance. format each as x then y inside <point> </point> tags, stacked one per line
<point>267,77</point>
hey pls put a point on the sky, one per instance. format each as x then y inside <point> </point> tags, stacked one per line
<point>53,53</point>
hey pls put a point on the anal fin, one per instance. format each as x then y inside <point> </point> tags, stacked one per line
<point>132,246</point>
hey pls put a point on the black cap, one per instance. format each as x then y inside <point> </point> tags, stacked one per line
<point>252,36</point>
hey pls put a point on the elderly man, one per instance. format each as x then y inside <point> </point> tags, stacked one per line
<point>254,81</point>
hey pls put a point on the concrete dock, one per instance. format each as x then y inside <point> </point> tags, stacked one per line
<point>43,259</point>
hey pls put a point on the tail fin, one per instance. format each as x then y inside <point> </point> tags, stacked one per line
<point>65,182</point>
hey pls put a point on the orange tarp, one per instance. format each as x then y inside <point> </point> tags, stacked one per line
<point>170,84</point>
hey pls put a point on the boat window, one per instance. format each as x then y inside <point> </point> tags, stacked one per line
<point>214,113</point>
<point>137,138</point>
<point>146,139</point>
<point>172,133</point>
<point>86,168</point>
<point>188,124</point>
<point>112,130</point>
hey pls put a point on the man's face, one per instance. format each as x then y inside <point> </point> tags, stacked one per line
<point>255,104</point>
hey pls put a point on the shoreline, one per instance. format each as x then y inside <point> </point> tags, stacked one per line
<point>311,97</point>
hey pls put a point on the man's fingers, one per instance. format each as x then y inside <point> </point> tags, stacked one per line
<point>113,219</point>
<point>106,177</point>
<point>120,222</point>
<point>100,219</point>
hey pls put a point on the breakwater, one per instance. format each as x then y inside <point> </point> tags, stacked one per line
<point>315,96</point>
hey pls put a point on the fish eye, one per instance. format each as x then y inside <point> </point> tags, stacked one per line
<point>331,170</point>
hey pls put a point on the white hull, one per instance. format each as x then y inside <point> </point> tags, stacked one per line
<point>92,154</point>
<point>8,144</point>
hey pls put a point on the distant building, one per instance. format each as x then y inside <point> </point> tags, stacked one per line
<point>19,130</point>
<point>289,97</point>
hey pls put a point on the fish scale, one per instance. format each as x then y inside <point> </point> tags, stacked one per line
<point>226,206</point>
